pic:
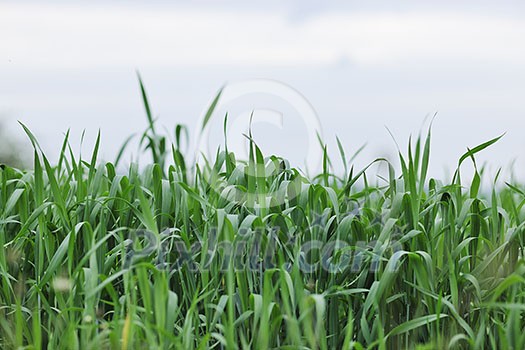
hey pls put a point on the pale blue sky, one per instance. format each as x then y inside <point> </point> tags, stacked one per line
<point>362,67</point>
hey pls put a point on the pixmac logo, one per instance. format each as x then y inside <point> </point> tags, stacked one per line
<point>257,250</point>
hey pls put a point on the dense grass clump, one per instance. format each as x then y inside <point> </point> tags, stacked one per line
<point>240,255</point>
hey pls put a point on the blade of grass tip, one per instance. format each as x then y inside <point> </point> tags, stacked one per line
<point>32,137</point>
<point>320,139</point>
<point>426,153</point>
<point>342,154</point>
<point>250,125</point>
<point>476,181</point>
<point>179,129</point>
<point>146,103</point>
<point>425,160</point>
<point>515,189</point>
<point>358,152</point>
<point>417,154</point>
<point>478,148</point>
<point>81,145</point>
<point>230,166</point>
<point>470,153</point>
<point>326,159</point>
<point>63,150</point>
<point>393,139</point>
<point>94,157</point>
<point>122,150</point>
<point>404,167</point>
<point>210,110</point>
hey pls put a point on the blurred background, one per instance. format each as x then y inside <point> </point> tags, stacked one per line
<point>363,66</point>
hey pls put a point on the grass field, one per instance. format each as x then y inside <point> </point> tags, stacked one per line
<point>241,255</point>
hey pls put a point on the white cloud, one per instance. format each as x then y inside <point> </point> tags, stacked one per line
<point>40,36</point>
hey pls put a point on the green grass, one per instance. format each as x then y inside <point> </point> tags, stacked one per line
<point>242,255</point>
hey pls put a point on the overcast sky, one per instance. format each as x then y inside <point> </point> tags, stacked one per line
<point>361,67</point>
